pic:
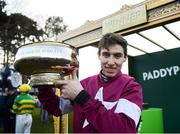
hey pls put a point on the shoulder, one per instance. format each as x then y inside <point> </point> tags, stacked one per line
<point>125,78</point>
<point>30,96</point>
<point>132,90</point>
<point>89,79</point>
<point>128,80</point>
<point>18,97</point>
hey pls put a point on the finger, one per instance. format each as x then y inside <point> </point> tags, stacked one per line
<point>60,83</point>
<point>62,91</point>
<point>74,74</point>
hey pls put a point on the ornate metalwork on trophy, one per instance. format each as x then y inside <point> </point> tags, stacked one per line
<point>45,62</point>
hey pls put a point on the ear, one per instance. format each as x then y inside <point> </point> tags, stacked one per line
<point>125,58</point>
<point>98,55</point>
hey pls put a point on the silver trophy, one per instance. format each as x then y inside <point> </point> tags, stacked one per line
<point>45,62</point>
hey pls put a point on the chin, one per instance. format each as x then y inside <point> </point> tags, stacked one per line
<point>110,74</point>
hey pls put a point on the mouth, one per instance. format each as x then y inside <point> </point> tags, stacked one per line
<point>110,70</point>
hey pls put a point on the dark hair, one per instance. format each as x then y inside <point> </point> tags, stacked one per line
<point>111,39</point>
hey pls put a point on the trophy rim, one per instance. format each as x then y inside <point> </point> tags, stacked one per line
<point>53,43</point>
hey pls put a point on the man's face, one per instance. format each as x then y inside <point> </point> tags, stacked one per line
<point>8,91</point>
<point>112,60</point>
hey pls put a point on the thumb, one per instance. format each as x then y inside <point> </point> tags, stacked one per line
<point>74,74</point>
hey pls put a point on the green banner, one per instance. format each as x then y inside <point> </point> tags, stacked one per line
<point>159,74</point>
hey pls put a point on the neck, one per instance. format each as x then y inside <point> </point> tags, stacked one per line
<point>104,77</point>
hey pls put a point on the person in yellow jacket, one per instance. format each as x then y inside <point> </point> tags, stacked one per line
<point>23,106</point>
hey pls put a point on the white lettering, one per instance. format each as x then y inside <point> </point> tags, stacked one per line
<point>162,72</point>
<point>156,74</point>
<point>145,76</point>
<point>176,69</point>
<point>169,70</point>
<point>150,76</point>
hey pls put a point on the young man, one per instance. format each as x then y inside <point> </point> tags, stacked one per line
<point>104,103</point>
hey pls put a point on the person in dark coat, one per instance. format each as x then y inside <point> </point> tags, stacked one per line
<point>9,117</point>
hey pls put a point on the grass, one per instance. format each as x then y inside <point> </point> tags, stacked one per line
<point>41,127</point>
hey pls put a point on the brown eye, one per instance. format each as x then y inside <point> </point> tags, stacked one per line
<point>118,55</point>
<point>106,54</point>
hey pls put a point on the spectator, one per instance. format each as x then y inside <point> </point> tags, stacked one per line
<point>9,117</point>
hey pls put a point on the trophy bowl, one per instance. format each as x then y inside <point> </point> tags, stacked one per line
<point>45,61</point>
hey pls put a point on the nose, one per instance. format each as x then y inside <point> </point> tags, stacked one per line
<point>111,60</point>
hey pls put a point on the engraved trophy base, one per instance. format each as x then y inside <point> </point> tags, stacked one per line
<point>43,79</point>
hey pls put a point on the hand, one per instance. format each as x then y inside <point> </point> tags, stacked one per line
<point>69,88</point>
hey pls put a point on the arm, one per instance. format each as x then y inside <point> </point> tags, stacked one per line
<point>49,100</point>
<point>100,117</point>
<point>37,103</point>
<point>15,106</point>
<point>54,104</point>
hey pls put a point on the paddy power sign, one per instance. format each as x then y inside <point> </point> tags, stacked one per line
<point>160,73</point>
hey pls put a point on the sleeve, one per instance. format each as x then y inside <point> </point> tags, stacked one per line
<point>15,106</point>
<point>37,103</point>
<point>54,104</point>
<point>104,120</point>
<point>131,102</point>
<point>49,100</point>
<point>65,105</point>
